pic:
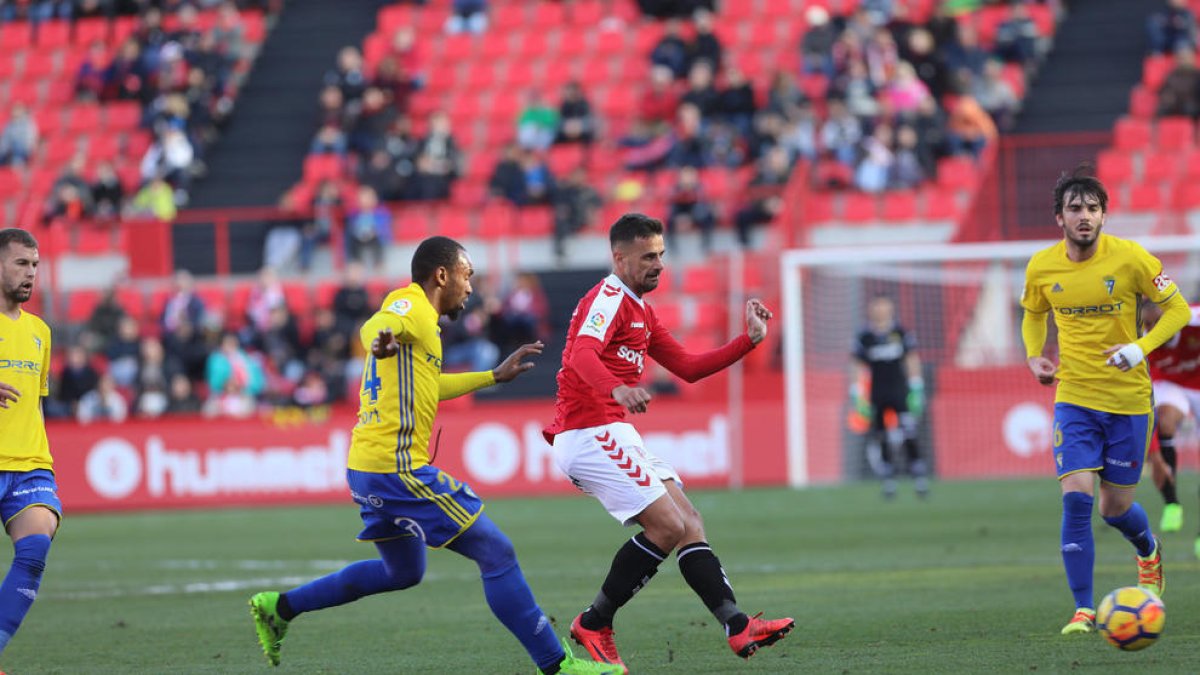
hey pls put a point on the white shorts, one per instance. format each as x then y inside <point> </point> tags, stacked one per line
<point>611,463</point>
<point>1176,396</point>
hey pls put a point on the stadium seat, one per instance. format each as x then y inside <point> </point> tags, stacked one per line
<point>956,172</point>
<point>410,224</point>
<point>818,208</point>
<point>535,222</point>
<point>1145,197</point>
<point>711,316</point>
<point>858,207</point>
<point>1114,167</point>
<point>322,167</point>
<point>299,298</point>
<point>1160,166</point>
<point>453,220</point>
<point>1131,134</point>
<point>939,204</point>
<point>495,221</point>
<point>1173,134</point>
<point>120,115</point>
<point>133,302</point>
<point>324,292</point>
<point>89,30</point>
<point>15,36</point>
<point>83,118</point>
<point>80,304</point>
<point>54,34</point>
<point>1143,102</point>
<point>899,206</point>
<point>40,66</point>
<point>669,313</point>
<point>700,280</point>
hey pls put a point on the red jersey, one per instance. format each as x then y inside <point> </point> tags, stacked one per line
<point>1178,360</point>
<point>612,332</point>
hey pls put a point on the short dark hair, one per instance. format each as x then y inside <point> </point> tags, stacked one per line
<point>431,254</point>
<point>10,235</point>
<point>1083,182</point>
<point>633,226</point>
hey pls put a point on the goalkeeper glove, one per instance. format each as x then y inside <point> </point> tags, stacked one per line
<point>861,405</point>
<point>916,396</point>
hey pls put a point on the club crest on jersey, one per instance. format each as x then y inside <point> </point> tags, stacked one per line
<point>37,341</point>
<point>1162,281</point>
<point>1110,283</point>
<point>401,307</point>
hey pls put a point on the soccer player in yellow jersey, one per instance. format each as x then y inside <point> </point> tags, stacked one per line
<point>1090,283</point>
<point>29,501</point>
<point>405,502</point>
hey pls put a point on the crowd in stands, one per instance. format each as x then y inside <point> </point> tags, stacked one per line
<point>193,358</point>
<point>1173,32</point>
<point>181,63</point>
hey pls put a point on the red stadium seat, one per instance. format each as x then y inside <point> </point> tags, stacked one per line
<point>453,221</point>
<point>54,34</point>
<point>1114,167</point>
<point>536,222</point>
<point>133,302</point>
<point>89,30</point>
<point>700,280</point>
<point>711,316</point>
<point>15,36</point>
<point>899,206</point>
<point>80,304</point>
<point>858,207</point>
<point>410,224</point>
<point>1131,134</point>
<point>818,208</point>
<point>669,313</point>
<point>324,292</point>
<point>1173,134</point>
<point>496,221</point>
<point>1145,197</point>
<point>956,172</point>
<point>1143,102</point>
<point>83,118</point>
<point>299,298</point>
<point>120,115</point>
<point>322,167</point>
<point>1155,69</point>
<point>1159,166</point>
<point>939,204</point>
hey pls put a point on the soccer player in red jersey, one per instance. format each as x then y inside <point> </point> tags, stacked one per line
<point>612,331</point>
<point>1175,370</point>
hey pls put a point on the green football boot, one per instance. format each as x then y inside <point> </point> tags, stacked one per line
<point>1172,518</point>
<point>575,666</point>
<point>268,624</point>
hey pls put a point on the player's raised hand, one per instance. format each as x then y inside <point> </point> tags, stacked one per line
<point>8,393</point>
<point>757,316</point>
<point>385,346</point>
<point>516,364</point>
<point>634,399</point>
<point>1042,368</point>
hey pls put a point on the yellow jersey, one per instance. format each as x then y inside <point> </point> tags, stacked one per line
<point>1095,306</point>
<point>398,396</point>
<point>24,364</point>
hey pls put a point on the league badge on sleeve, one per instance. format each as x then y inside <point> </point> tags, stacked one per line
<point>401,307</point>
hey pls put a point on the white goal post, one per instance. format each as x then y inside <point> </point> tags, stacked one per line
<point>962,302</point>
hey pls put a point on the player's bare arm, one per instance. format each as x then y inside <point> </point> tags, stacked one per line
<point>1042,368</point>
<point>757,316</point>
<point>516,364</point>
<point>634,399</point>
<point>385,346</point>
<point>8,393</point>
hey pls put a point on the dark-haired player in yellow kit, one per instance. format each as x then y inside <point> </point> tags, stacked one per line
<point>29,502</point>
<point>405,502</point>
<point>1103,408</point>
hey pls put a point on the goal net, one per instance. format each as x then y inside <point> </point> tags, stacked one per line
<point>985,415</point>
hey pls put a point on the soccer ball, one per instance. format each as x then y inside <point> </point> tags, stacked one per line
<point>1131,618</point>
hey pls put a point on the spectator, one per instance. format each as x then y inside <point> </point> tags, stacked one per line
<point>575,204</point>
<point>705,46</point>
<point>736,103</point>
<point>102,404</point>
<point>183,305</point>
<point>282,346</point>
<point>965,52</point>
<point>816,47</point>
<point>879,11</point>
<point>235,380</point>
<point>408,55</point>
<point>800,137</point>
<point>576,122</point>
<point>663,9</point>
<point>996,95</point>
<point>230,32</point>
<point>331,108</point>
<point>672,51</point>
<point>701,92</point>
<point>108,196</point>
<point>691,146</point>
<point>187,347</point>
<point>1180,91</point>
<point>538,181</point>
<point>439,162</point>
<point>125,77</point>
<point>907,170</point>
<point>352,306</point>
<point>919,49</point>
<point>783,96</point>
<point>101,326</point>
<point>1017,36</point>
<point>523,314</point>
<point>857,91</point>
<point>155,200</point>
<point>89,78</point>
<point>841,133</point>
<point>66,203</point>
<point>326,210</point>
<point>330,140</point>
<point>395,82</point>
<point>930,125</point>
<point>349,77</point>
<point>330,351</point>
<point>153,379</point>
<point>465,342</point>
<point>379,173</point>
<point>881,56</point>
<point>508,178</point>
<point>1172,29</point>
<point>266,295</point>
<point>170,158</point>
<point>873,170</point>
<point>374,118</point>
<point>311,390</point>
<point>643,147</point>
<point>368,228</point>
<point>78,377</point>
<point>122,352</point>
<point>182,399</point>
<point>905,91</point>
<point>969,128</point>
<point>467,15</point>
<point>763,194</point>
<point>537,124</point>
<point>690,210</point>
<point>660,100</point>
<point>19,139</point>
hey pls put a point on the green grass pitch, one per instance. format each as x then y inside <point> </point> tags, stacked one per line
<point>967,582</point>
